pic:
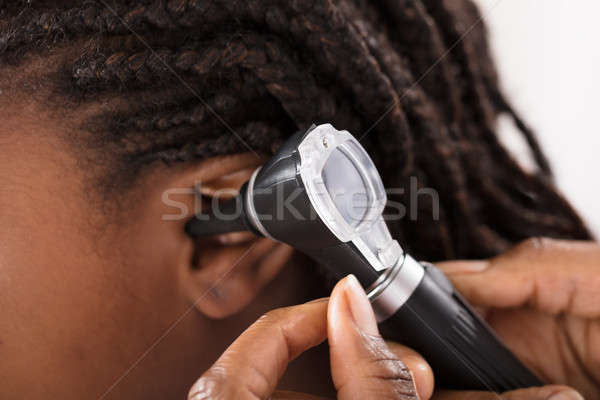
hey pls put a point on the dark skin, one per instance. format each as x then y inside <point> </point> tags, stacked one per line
<point>85,295</point>
<point>542,298</point>
<point>546,313</point>
<point>106,106</point>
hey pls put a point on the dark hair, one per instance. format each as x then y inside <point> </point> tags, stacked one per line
<point>167,80</point>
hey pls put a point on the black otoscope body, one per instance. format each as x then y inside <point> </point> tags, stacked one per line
<point>322,194</point>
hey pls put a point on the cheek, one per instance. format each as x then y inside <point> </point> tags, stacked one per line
<point>79,297</point>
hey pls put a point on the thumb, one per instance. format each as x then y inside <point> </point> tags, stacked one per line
<point>550,392</point>
<point>362,364</point>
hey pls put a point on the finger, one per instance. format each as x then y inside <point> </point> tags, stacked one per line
<point>253,364</point>
<point>420,369</point>
<point>549,275</point>
<point>362,365</point>
<point>551,392</point>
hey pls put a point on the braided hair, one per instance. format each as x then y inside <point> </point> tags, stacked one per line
<point>168,81</point>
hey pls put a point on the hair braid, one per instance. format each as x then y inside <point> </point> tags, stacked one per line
<point>268,68</point>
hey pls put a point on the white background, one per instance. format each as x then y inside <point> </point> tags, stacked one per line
<point>548,57</point>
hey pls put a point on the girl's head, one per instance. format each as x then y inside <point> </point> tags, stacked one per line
<point>113,112</point>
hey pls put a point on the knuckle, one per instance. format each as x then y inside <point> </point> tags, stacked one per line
<point>274,316</point>
<point>388,372</point>
<point>535,245</point>
<point>389,369</point>
<point>215,384</point>
<point>257,382</point>
<point>211,385</point>
<point>375,343</point>
<point>383,393</point>
<point>384,389</point>
<point>378,389</point>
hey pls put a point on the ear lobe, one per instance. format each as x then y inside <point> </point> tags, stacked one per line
<point>227,277</point>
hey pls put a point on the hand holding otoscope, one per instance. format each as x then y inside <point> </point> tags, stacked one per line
<point>319,174</point>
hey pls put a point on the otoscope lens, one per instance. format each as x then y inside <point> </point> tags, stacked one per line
<point>346,187</point>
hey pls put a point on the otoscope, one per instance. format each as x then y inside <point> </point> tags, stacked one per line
<point>321,194</point>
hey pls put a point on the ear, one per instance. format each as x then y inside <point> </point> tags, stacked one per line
<point>222,274</point>
<point>227,274</point>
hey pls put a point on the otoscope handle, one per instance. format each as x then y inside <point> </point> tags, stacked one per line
<point>461,348</point>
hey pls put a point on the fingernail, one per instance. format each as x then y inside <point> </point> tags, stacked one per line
<point>461,267</point>
<point>360,307</point>
<point>568,394</point>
